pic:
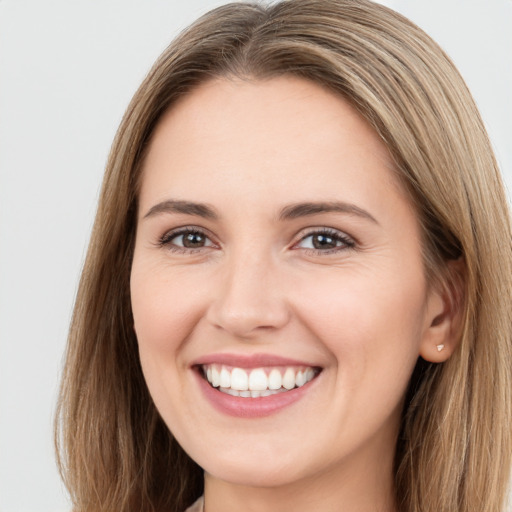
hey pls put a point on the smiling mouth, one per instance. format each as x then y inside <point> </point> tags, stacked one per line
<point>257,382</point>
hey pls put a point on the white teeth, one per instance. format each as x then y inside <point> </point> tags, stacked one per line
<point>239,379</point>
<point>289,379</point>
<point>252,394</point>
<point>274,379</point>
<point>258,382</point>
<point>230,391</point>
<point>225,378</point>
<point>215,377</point>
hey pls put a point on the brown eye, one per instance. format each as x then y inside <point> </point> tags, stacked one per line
<point>193,240</point>
<point>321,241</point>
<point>326,241</point>
<point>186,239</point>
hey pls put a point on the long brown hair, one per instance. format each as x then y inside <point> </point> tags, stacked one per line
<point>453,453</point>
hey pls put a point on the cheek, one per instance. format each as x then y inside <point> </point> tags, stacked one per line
<point>164,317</point>
<point>373,304</point>
<point>165,309</point>
<point>372,325</point>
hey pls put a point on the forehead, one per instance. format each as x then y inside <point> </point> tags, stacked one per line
<point>253,136</point>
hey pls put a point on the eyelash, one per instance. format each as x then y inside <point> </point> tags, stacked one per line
<point>337,236</point>
<point>166,240</point>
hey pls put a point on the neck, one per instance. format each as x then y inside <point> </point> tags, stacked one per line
<point>355,486</point>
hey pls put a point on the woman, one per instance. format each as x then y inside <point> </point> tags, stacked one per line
<point>298,285</point>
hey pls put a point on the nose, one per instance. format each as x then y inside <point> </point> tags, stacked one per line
<point>251,298</point>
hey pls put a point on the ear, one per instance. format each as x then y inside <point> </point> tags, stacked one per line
<point>444,317</point>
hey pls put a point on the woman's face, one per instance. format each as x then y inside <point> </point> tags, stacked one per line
<point>275,249</point>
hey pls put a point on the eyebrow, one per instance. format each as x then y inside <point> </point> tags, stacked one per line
<point>298,210</point>
<point>186,207</point>
<point>293,211</point>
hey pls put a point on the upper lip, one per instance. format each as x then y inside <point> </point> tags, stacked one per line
<point>249,361</point>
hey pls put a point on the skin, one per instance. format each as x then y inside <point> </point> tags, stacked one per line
<point>362,310</point>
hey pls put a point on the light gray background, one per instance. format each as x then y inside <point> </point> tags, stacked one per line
<point>67,71</point>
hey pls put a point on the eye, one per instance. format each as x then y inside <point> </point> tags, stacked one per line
<point>325,241</point>
<point>186,239</point>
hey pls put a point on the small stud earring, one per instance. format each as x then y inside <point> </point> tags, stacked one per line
<point>440,347</point>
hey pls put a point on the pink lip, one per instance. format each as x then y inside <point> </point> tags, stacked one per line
<point>249,407</point>
<point>249,361</point>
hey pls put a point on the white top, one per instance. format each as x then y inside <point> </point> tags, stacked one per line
<point>198,506</point>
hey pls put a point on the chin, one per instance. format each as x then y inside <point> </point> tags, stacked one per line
<point>253,468</point>
<point>256,474</point>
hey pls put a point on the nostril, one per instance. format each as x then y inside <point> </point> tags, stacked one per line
<point>249,298</point>
<point>247,323</point>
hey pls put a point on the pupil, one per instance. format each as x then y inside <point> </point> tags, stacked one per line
<point>323,242</point>
<point>192,240</point>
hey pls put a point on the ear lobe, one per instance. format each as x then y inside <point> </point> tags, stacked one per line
<point>445,312</point>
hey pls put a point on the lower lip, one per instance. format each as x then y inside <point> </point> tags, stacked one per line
<point>251,407</point>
